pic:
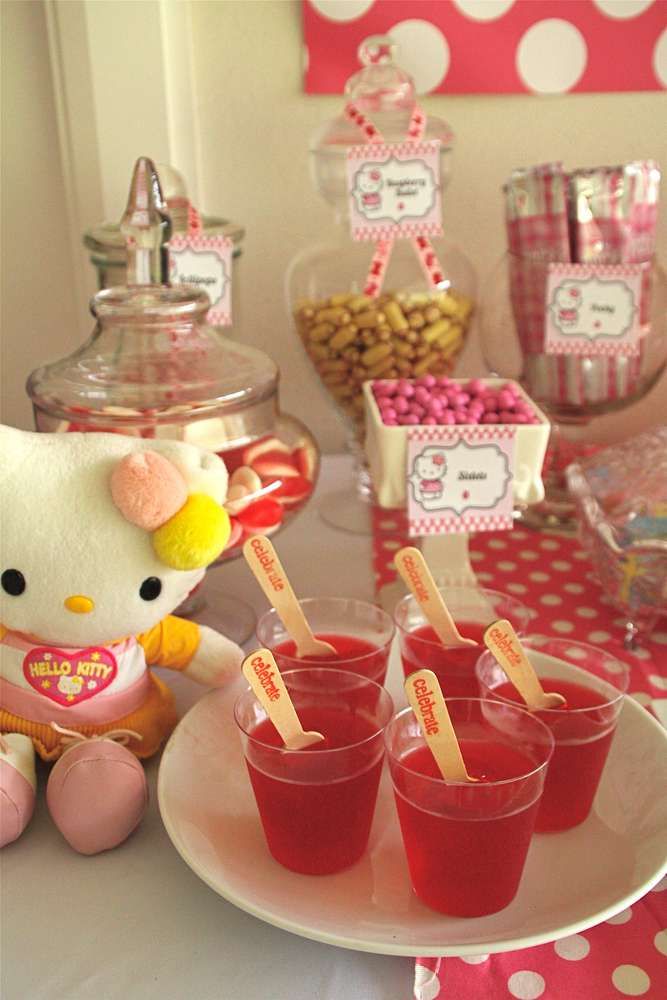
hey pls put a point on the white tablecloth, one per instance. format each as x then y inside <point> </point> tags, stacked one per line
<point>136,922</point>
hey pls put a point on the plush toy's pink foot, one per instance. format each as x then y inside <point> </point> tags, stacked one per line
<point>17,786</point>
<point>97,795</point>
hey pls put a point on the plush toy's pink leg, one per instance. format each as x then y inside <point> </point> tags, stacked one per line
<point>17,785</point>
<point>97,794</point>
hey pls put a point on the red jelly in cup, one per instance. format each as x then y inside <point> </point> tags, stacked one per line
<point>472,609</point>
<point>466,843</point>
<point>316,805</point>
<point>593,683</point>
<point>361,634</point>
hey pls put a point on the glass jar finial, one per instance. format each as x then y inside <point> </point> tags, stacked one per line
<point>146,226</point>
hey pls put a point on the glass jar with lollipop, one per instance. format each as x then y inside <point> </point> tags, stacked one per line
<point>384,294</point>
<point>155,367</point>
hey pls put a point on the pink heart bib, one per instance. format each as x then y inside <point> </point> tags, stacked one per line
<point>69,677</point>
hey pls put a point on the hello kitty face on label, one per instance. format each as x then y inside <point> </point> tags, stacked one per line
<point>370,180</point>
<point>431,466</point>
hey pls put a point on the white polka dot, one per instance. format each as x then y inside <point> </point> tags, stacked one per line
<point>660,58</point>
<point>660,941</point>
<point>516,588</point>
<point>342,10</point>
<point>388,525</point>
<point>427,983</point>
<point>572,948</point>
<point>521,535</point>
<point>528,555</point>
<point>538,576</point>
<point>497,543</point>
<point>562,626</point>
<point>640,654</point>
<point>424,52</point>
<point>580,555</point>
<point>573,588</point>
<point>630,980</point>
<point>476,556</point>
<point>483,10</point>
<point>621,918</point>
<point>642,697</point>
<point>658,682</point>
<point>474,959</point>
<point>551,56</point>
<point>485,577</point>
<point>622,8</point>
<point>586,612</point>
<point>661,885</point>
<point>576,653</point>
<point>551,599</point>
<point>391,543</point>
<point>660,638</point>
<point>561,565</point>
<point>599,636</point>
<point>549,544</point>
<point>526,985</point>
<point>506,566</point>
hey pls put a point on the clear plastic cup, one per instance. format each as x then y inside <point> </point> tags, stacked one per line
<point>472,609</point>
<point>466,843</point>
<point>316,805</point>
<point>362,634</point>
<point>594,684</point>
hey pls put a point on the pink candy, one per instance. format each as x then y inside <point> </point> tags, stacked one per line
<point>431,401</point>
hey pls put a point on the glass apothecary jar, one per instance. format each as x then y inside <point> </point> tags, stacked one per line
<point>411,326</point>
<point>106,241</point>
<point>153,368</point>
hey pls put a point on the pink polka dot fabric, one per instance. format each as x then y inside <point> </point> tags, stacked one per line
<point>494,46</point>
<point>627,955</point>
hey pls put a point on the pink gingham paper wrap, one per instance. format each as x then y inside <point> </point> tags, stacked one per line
<point>459,479</point>
<point>382,212</point>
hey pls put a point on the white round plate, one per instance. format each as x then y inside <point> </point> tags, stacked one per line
<point>572,880</point>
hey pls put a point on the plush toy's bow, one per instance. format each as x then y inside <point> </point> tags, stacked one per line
<point>189,531</point>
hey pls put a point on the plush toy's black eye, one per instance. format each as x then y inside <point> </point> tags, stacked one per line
<point>150,588</point>
<point>13,582</point>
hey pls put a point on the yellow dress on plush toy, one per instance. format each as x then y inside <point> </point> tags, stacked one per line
<point>102,536</point>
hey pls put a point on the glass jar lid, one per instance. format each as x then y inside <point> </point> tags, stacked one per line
<point>106,239</point>
<point>152,351</point>
<point>385,94</point>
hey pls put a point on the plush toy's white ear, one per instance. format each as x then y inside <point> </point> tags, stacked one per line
<point>14,445</point>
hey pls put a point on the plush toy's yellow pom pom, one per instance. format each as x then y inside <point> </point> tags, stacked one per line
<point>194,536</point>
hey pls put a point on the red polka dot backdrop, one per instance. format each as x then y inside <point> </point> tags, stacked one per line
<point>494,46</point>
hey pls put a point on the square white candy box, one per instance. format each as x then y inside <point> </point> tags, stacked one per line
<point>386,449</point>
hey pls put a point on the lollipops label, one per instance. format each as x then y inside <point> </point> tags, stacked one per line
<point>204,261</point>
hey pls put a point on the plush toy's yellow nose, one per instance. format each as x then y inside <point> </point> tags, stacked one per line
<point>79,604</point>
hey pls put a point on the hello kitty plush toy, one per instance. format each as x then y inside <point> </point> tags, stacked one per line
<point>102,536</point>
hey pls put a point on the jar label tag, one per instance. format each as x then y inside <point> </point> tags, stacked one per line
<point>595,309</point>
<point>204,261</point>
<point>394,190</point>
<point>460,479</point>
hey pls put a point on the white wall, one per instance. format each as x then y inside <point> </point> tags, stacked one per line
<point>37,283</point>
<point>252,125</point>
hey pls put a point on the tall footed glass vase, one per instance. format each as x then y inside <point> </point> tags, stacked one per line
<point>366,309</point>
